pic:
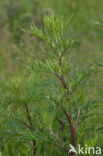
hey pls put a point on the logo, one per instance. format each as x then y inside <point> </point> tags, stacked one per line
<point>72,149</point>
<point>85,150</point>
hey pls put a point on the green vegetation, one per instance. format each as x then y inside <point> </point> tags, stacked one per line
<point>51,76</point>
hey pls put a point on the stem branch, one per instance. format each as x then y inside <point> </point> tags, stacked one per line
<point>31,128</point>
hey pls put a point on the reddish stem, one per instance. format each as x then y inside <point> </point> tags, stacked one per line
<point>71,128</point>
<point>63,82</point>
<point>67,115</point>
<point>31,128</point>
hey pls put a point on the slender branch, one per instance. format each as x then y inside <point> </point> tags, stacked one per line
<point>49,72</point>
<point>31,128</point>
<point>24,123</point>
<point>71,127</point>
<point>60,60</point>
<point>34,147</point>
<point>55,136</point>
<point>58,145</point>
<point>63,81</point>
<point>29,117</point>
<point>76,125</point>
<point>63,148</point>
<point>66,114</point>
<point>70,94</point>
<point>61,77</point>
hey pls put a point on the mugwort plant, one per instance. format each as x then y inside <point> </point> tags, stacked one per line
<point>49,109</point>
<point>66,113</point>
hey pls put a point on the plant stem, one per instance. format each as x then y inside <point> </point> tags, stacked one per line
<point>31,128</point>
<point>62,148</point>
<point>66,114</point>
<point>71,128</point>
<point>23,123</point>
<point>63,82</point>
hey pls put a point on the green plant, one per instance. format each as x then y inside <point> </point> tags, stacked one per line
<point>54,111</point>
<point>67,101</point>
